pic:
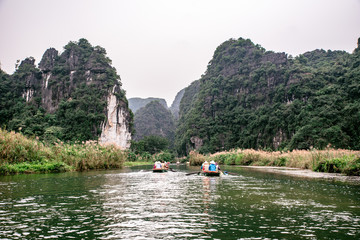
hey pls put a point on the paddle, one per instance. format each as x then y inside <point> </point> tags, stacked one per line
<point>172,170</point>
<point>192,173</point>
<point>229,173</point>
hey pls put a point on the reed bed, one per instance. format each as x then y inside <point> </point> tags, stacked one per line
<point>328,160</point>
<point>19,154</point>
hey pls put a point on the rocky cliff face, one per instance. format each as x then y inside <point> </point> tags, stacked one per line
<point>175,106</point>
<point>116,127</point>
<point>80,91</point>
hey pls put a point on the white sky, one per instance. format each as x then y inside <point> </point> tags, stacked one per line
<point>160,46</point>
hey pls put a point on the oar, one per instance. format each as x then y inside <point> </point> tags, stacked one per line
<point>192,173</point>
<point>226,173</point>
<point>172,170</point>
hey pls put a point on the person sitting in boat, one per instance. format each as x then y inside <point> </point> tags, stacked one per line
<point>212,166</point>
<point>205,166</point>
<point>164,165</point>
<point>157,165</point>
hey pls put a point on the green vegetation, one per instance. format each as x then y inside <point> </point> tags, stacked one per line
<point>71,105</point>
<point>150,148</point>
<point>329,160</point>
<point>251,98</point>
<point>154,120</point>
<point>19,154</point>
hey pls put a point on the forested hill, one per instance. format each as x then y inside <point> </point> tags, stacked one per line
<point>253,98</point>
<point>137,103</point>
<point>154,120</point>
<point>72,96</point>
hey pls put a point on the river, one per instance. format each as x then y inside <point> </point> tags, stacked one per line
<point>135,204</point>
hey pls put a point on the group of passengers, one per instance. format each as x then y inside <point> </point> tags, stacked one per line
<point>161,165</point>
<point>210,167</point>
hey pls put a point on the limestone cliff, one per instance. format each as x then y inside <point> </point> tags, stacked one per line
<point>175,106</point>
<point>116,127</point>
<point>78,93</point>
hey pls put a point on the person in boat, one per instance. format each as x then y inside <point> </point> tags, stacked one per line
<point>157,165</point>
<point>213,167</point>
<point>205,166</point>
<point>164,165</point>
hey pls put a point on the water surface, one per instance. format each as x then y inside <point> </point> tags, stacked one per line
<point>136,204</point>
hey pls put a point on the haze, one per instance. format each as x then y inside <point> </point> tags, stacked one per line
<point>159,47</point>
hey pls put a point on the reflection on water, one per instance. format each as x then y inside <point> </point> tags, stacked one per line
<point>135,204</point>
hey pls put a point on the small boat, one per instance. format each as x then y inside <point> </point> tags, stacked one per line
<point>210,173</point>
<point>161,167</point>
<point>210,169</point>
<point>160,170</point>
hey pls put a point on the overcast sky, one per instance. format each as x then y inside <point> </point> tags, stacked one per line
<point>160,46</point>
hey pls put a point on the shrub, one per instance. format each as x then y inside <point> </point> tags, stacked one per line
<point>280,162</point>
<point>196,159</point>
<point>334,165</point>
<point>230,159</point>
<point>164,156</point>
<point>352,167</point>
<point>239,159</point>
<point>131,156</point>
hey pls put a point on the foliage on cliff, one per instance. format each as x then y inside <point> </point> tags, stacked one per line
<point>253,98</point>
<point>65,98</point>
<point>137,103</point>
<point>154,120</point>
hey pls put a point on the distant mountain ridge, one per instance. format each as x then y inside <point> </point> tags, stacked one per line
<point>137,103</point>
<point>154,120</point>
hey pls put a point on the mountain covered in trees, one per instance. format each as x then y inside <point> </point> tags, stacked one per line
<point>252,98</point>
<point>72,96</point>
<point>247,98</point>
<point>137,103</point>
<point>154,120</point>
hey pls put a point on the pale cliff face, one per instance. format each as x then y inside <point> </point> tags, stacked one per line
<point>115,129</point>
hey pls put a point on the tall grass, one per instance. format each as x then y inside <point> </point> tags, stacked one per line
<point>328,160</point>
<point>19,154</point>
<point>196,159</point>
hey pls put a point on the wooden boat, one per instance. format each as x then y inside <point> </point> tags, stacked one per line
<point>210,173</point>
<point>160,170</point>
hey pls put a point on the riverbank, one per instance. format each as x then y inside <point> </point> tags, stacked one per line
<point>305,173</point>
<point>19,154</point>
<point>329,160</point>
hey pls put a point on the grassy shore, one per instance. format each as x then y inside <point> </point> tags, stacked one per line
<point>140,163</point>
<point>328,160</point>
<point>19,154</point>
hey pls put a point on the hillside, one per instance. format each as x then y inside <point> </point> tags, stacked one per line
<point>175,106</point>
<point>253,98</point>
<point>154,120</point>
<point>137,103</point>
<point>74,96</point>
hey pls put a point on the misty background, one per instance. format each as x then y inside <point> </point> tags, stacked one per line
<point>159,47</point>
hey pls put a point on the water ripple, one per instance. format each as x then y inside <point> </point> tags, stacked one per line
<point>143,205</point>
